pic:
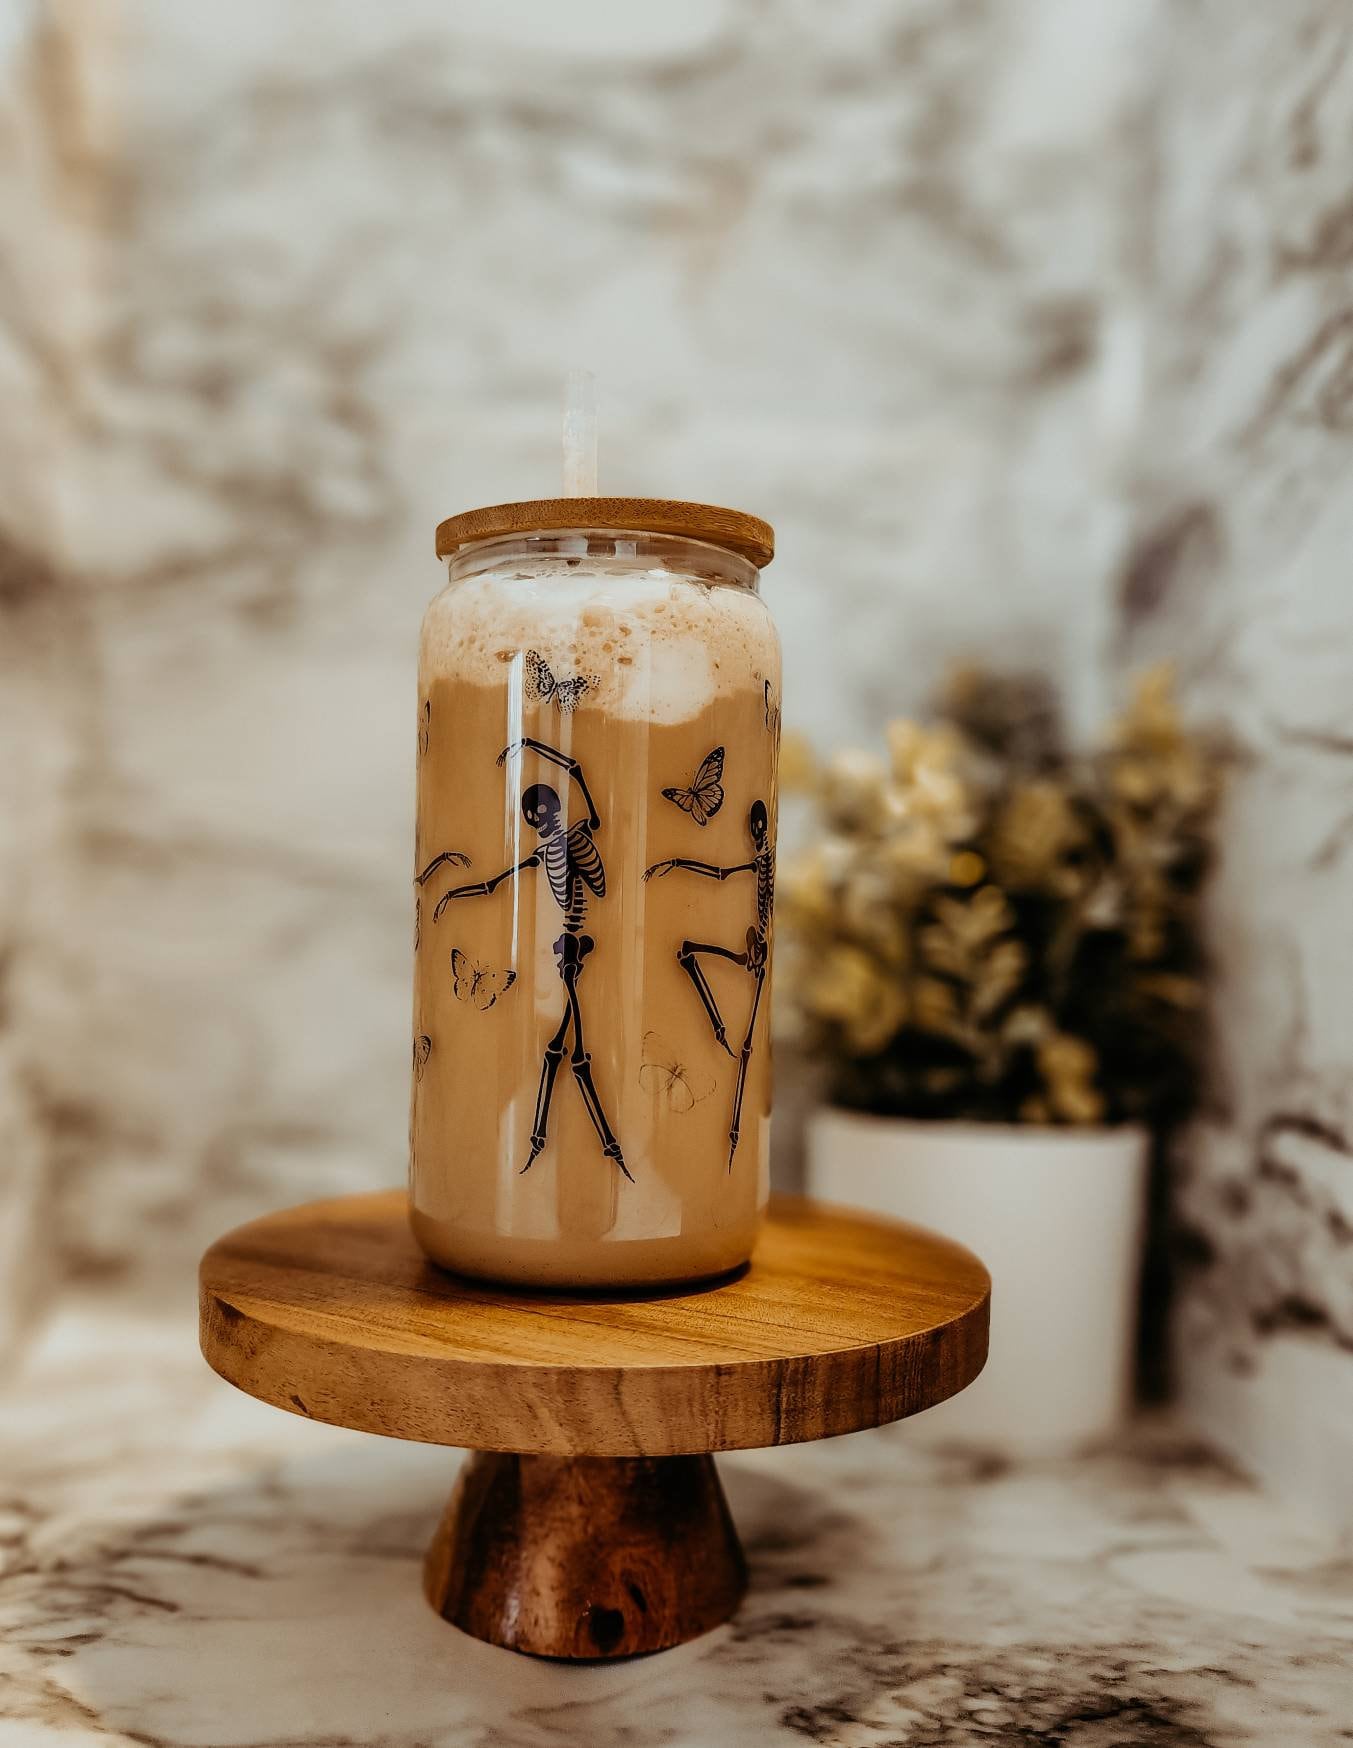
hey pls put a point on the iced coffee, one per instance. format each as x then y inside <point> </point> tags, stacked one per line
<point>598,722</point>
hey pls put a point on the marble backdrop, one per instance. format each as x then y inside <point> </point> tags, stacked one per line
<point>1240,572</point>
<point>318,270</point>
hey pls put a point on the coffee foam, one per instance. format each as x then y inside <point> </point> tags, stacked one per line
<point>655,646</point>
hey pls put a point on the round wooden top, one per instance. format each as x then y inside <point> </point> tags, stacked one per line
<point>841,1321</point>
<point>732,529</point>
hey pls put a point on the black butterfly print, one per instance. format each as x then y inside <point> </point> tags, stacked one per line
<point>668,1079</point>
<point>477,983</point>
<point>541,684</point>
<point>704,798</point>
<point>422,1049</point>
<point>772,710</point>
<point>425,726</point>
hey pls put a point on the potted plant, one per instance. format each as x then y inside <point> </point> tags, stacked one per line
<point>992,947</point>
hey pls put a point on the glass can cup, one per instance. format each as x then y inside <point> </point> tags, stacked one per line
<point>598,735</point>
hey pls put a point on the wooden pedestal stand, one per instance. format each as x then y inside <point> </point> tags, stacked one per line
<point>590,1521</point>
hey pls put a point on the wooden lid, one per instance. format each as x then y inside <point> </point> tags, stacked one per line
<point>732,529</point>
<point>842,1321</point>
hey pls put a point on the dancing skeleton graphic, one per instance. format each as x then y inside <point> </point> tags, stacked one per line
<point>753,960</point>
<point>573,867</point>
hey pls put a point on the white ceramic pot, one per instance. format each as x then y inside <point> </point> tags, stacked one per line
<point>1057,1216</point>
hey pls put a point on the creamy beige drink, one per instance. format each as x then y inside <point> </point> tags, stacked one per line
<point>598,730</point>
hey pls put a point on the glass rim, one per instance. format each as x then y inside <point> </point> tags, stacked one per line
<point>700,561</point>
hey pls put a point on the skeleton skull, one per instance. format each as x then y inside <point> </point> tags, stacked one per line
<point>540,809</point>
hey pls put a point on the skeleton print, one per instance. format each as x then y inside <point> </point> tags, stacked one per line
<point>576,876</point>
<point>754,958</point>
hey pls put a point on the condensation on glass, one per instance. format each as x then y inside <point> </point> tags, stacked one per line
<point>598,730</point>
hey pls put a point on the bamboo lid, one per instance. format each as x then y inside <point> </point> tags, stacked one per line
<point>732,529</point>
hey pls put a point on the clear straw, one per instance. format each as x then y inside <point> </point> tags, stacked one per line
<point>580,434</point>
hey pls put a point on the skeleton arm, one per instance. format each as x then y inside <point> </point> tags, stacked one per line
<point>437,861</point>
<point>481,887</point>
<point>708,869</point>
<point>565,763</point>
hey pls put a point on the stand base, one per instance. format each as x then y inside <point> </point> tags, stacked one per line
<point>604,1539</point>
<point>585,1557</point>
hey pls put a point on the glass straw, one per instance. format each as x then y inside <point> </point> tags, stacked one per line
<point>580,434</point>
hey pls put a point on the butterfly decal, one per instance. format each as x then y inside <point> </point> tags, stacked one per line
<point>667,1078</point>
<point>704,798</point>
<point>772,710</point>
<point>478,983</point>
<point>541,684</point>
<point>424,726</point>
<point>422,1049</point>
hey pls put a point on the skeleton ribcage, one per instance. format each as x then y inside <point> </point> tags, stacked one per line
<point>765,888</point>
<point>572,865</point>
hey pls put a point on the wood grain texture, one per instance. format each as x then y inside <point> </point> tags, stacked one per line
<point>585,1557</point>
<point>842,1321</point>
<point>733,529</point>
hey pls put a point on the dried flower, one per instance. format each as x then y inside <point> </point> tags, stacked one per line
<point>1038,842</point>
<point>989,927</point>
<point>1068,1066</point>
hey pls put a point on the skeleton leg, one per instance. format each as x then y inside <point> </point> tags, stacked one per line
<point>549,1068</point>
<point>688,957</point>
<point>581,1064</point>
<point>744,1057</point>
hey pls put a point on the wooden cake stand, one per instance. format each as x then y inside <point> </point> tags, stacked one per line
<point>590,1522</point>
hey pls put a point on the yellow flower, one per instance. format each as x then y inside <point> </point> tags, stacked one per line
<point>988,905</point>
<point>975,920</point>
<point>1154,761</point>
<point>1152,716</point>
<point>805,890</point>
<point>877,1022</point>
<point>842,983</point>
<point>866,912</point>
<point>1027,1024</point>
<point>913,749</point>
<point>810,883</point>
<point>916,855</point>
<point>1068,1066</point>
<point>929,770</point>
<point>1037,842</point>
<point>850,990</point>
<point>934,1006</point>
<point>904,741</point>
<point>998,977</point>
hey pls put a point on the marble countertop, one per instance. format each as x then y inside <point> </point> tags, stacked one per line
<point>180,1565</point>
